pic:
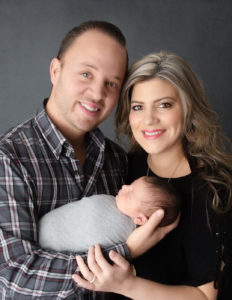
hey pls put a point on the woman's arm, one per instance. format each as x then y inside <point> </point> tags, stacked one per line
<point>149,234</point>
<point>118,278</point>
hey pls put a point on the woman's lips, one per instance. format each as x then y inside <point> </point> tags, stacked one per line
<point>153,134</point>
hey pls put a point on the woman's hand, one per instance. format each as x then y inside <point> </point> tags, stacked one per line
<point>99,275</point>
<point>149,234</point>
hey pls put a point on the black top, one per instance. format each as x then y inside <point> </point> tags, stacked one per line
<point>187,255</point>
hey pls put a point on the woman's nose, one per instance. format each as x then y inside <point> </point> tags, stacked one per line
<point>150,118</point>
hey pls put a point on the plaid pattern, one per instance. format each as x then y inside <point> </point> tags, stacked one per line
<point>39,172</point>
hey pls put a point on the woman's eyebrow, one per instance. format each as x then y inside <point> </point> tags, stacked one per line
<point>155,100</point>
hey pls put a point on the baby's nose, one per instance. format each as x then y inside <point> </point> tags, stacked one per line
<point>124,188</point>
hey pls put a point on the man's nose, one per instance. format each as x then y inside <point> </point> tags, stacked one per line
<point>98,90</point>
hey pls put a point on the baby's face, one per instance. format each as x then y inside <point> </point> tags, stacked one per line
<point>130,196</point>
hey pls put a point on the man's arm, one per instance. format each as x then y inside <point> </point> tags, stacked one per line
<point>26,270</point>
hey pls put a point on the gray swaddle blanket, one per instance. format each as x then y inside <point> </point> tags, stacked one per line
<point>78,225</point>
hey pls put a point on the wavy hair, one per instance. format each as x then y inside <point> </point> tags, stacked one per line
<point>202,138</point>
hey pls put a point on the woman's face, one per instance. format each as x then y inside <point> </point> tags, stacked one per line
<point>156,116</point>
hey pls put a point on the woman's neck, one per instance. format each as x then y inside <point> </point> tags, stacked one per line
<point>169,166</point>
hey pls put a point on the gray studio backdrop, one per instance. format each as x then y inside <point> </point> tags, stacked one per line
<point>31,30</point>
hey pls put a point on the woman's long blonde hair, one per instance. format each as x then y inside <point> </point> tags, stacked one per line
<point>203,138</point>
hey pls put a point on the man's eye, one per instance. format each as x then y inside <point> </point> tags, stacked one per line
<point>111,84</point>
<point>85,74</point>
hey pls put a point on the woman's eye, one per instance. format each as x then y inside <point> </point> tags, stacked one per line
<point>165,105</point>
<point>137,107</point>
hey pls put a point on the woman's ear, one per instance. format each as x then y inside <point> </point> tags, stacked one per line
<point>54,69</point>
<point>140,219</point>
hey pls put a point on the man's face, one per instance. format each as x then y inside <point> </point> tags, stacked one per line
<point>86,83</point>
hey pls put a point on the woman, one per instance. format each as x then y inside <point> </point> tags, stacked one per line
<point>163,109</point>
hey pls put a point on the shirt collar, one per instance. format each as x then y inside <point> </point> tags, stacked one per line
<point>98,138</point>
<point>55,139</point>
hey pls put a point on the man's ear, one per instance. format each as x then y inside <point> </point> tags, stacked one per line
<point>140,219</point>
<point>55,66</point>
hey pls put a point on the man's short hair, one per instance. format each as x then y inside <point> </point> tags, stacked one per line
<point>103,26</point>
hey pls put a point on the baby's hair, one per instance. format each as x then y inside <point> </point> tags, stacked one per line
<point>163,195</point>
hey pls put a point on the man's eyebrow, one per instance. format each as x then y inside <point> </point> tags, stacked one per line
<point>83,64</point>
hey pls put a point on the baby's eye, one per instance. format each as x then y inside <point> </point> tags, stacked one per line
<point>136,107</point>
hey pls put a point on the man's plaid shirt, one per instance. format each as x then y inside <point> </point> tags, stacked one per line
<point>39,172</point>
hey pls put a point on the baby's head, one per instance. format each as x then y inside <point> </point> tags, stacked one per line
<point>145,195</point>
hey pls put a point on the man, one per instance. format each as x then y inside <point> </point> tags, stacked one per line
<point>59,156</point>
